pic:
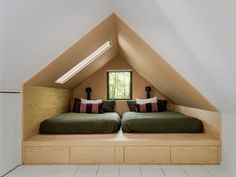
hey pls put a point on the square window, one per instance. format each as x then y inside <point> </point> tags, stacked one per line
<point>119,85</point>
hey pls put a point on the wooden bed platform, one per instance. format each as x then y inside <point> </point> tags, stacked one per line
<point>122,148</point>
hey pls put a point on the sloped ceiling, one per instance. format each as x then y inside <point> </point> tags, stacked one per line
<point>105,31</point>
<point>197,38</point>
<point>33,33</point>
<point>145,60</point>
<point>149,64</point>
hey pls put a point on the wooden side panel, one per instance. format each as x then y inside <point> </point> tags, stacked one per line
<point>147,154</point>
<point>91,154</point>
<point>46,155</point>
<point>210,119</point>
<point>40,103</point>
<point>194,154</point>
<point>23,155</point>
<point>119,154</point>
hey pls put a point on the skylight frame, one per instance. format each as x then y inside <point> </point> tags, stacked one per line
<point>85,62</point>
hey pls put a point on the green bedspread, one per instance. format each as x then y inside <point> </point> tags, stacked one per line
<point>81,123</point>
<point>160,122</point>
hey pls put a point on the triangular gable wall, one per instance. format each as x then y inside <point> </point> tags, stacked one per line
<point>146,61</point>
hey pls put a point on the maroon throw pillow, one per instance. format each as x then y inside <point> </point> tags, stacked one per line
<point>76,104</point>
<point>88,108</point>
<point>148,107</point>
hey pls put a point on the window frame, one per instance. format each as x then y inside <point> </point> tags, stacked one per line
<point>130,88</point>
<point>100,51</point>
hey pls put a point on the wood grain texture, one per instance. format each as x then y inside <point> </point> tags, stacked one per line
<point>40,103</point>
<point>124,139</point>
<point>144,154</point>
<point>211,120</point>
<point>119,154</point>
<point>92,154</point>
<point>46,155</point>
<point>194,154</point>
<point>82,48</point>
<point>131,148</point>
<point>149,64</point>
<point>98,82</point>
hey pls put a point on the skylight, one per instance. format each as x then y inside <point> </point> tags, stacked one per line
<point>85,62</point>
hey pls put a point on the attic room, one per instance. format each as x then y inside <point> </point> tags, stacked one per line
<point>125,97</point>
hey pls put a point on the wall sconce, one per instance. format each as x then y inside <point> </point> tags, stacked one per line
<point>148,89</point>
<point>88,90</point>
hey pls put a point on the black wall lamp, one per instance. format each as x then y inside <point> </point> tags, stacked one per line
<point>88,90</point>
<point>148,89</point>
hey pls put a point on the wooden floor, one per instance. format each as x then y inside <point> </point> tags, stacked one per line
<point>119,171</point>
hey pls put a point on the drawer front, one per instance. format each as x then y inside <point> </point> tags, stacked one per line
<point>147,154</point>
<point>92,154</point>
<point>46,155</point>
<point>194,154</point>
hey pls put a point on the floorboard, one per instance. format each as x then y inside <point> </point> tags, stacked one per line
<point>33,171</point>
<point>196,171</point>
<point>87,171</point>
<point>108,171</point>
<point>151,171</point>
<point>173,171</point>
<point>129,171</point>
<point>65,171</point>
<point>120,171</point>
<point>217,170</point>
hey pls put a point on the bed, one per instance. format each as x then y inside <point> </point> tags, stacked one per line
<point>160,122</point>
<point>81,123</point>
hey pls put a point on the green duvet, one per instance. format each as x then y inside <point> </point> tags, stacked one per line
<point>81,123</point>
<point>160,122</point>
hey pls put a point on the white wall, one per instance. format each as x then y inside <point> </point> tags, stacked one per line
<point>1,73</point>
<point>10,131</point>
<point>36,31</point>
<point>198,39</point>
<point>33,33</point>
<point>229,142</point>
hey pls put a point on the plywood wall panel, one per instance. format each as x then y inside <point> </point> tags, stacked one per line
<point>211,120</point>
<point>98,82</point>
<point>40,103</point>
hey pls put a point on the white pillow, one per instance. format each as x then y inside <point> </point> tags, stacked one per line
<point>91,101</point>
<point>144,101</point>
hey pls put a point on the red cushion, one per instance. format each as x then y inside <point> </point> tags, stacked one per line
<point>148,107</point>
<point>88,108</point>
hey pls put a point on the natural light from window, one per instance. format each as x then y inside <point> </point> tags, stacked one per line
<point>119,85</point>
<point>85,62</point>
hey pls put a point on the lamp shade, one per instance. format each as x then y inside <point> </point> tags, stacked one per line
<point>148,89</point>
<point>88,90</point>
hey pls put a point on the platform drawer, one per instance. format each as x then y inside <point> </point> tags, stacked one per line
<point>147,154</point>
<point>45,155</point>
<point>195,154</point>
<point>98,154</point>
